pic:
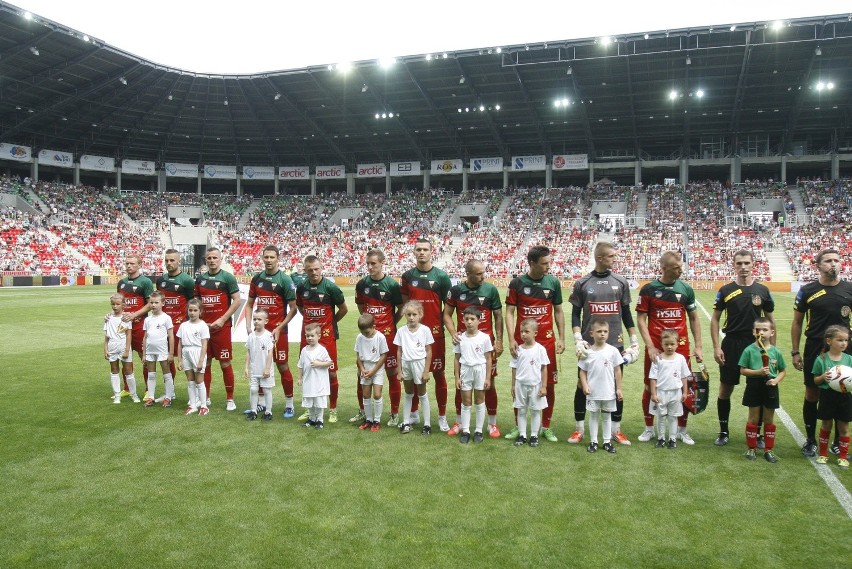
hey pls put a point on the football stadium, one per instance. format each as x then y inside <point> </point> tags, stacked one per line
<point>569,303</point>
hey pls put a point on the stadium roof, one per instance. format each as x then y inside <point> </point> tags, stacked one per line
<point>749,85</point>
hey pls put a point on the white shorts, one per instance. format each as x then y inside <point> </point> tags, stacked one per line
<point>156,357</point>
<point>526,395</point>
<point>669,404</point>
<point>472,377</point>
<point>412,370</point>
<point>320,402</point>
<point>116,356</point>
<point>264,382</point>
<point>377,379</point>
<point>190,358</point>
<point>598,405</point>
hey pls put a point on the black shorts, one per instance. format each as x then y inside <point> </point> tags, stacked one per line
<point>733,346</point>
<point>834,405</point>
<point>758,394</point>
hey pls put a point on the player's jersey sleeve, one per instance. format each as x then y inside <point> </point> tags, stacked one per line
<point>643,304</point>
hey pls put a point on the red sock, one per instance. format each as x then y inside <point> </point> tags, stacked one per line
<point>458,402</point>
<point>515,409</point>
<point>260,391</point>
<point>358,395</point>
<point>395,389</point>
<point>173,369</point>
<point>646,404</point>
<point>335,387</point>
<point>228,376</point>
<point>681,421</point>
<point>287,383</point>
<point>415,403</point>
<point>769,435</point>
<point>491,401</point>
<point>844,447</point>
<point>823,442</point>
<point>751,435</point>
<point>208,377</point>
<point>441,392</point>
<point>123,379</point>
<point>546,414</point>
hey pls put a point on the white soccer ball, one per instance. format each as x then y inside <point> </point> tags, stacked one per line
<point>840,378</point>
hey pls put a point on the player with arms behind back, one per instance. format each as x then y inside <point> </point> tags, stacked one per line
<point>538,295</point>
<point>177,288</point>
<point>135,288</point>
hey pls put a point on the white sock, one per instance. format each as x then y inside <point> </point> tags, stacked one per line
<point>378,405</point>
<point>673,427</point>
<point>465,418</point>
<point>170,385</point>
<point>131,383</point>
<point>536,421</point>
<point>480,417</point>
<point>115,381</point>
<point>522,422</point>
<point>581,426</point>
<point>492,419</point>
<point>152,383</point>
<point>616,427</point>
<point>253,395</point>
<point>427,411</point>
<point>406,409</point>
<point>288,402</point>
<point>661,426</point>
<point>267,400</point>
<point>368,409</point>
<point>201,393</point>
<point>318,412</point>
<point>606,427</point>
<point>191,393</point>
<point>594,419</point>
<point>458,418</point>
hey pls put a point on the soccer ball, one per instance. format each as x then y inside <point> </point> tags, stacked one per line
<point>840,379</point>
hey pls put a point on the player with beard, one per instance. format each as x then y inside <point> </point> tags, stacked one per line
<point>220,299</point>
<point>430,286</point>
<point>380,295</point>
<point>275,291</point>
<point>177,288</point>
<point>741,301</point>
<point>606,295</point>
<point>474,291</point>
<point>538,295</point>
<point>667,302</point>
<point>321,302</point>
<point>826,301</point>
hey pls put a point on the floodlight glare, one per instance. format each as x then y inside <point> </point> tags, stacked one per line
<point>606,40</point>
<point>699,93</point>
<point>777,25</point>
<point>387,62</point>
<point>496,107</point>
<point>820,86</point>
<point>481,107</point>
<point>673,95</point>
<point>28,16</point>
<point>344,67</point>
<point>829,85</point>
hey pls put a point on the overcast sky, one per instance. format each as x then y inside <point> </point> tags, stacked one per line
<point>253,36</point>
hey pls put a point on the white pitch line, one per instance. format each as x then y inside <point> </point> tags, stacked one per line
<point>844,498</point>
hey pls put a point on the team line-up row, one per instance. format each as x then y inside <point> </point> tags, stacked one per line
<point>472,313</point>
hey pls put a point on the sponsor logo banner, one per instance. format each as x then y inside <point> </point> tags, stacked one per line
<point>529,163</point>
<point>56,158</point>
<point>176,170</point>
<point>258,172</point>
<point>405,168</point>
<point>294,172</point>
<point>570,161</point>
<point>146,167</point>
<point>220,172</point>
<point>371,171</point>
<point>16,152</point>
<point>440,167</point>
<point>331,172</point>
<point>478,165</point>
<point>100,163</point>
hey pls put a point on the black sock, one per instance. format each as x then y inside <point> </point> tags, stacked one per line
<point>579,405</point>
<point>723,407</point>
<point>619,409</point>
<point>809,414</point>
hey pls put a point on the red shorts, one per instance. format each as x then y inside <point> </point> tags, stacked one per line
<point>392,361</point>
<point>682,350</point>
<point>330,346</point>
<point>439,349</point>
<point>219,347</point>
<point>282,350</point>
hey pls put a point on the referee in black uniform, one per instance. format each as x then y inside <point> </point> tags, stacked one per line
<point>741,302</point>
<point>826,301</point>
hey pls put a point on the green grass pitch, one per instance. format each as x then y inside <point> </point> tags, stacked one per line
<point>86,483</point>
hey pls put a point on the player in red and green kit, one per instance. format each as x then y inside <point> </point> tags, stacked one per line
<point>538,295</point>
<point>430,286</point>
<point>379,295</point>
<point>135,288</point>
<point>321,302</point>
<point>177,288</point>
<point>665,303</point>
<point>273,290</point>
<point>220,299</point>
<point>474,291</point>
